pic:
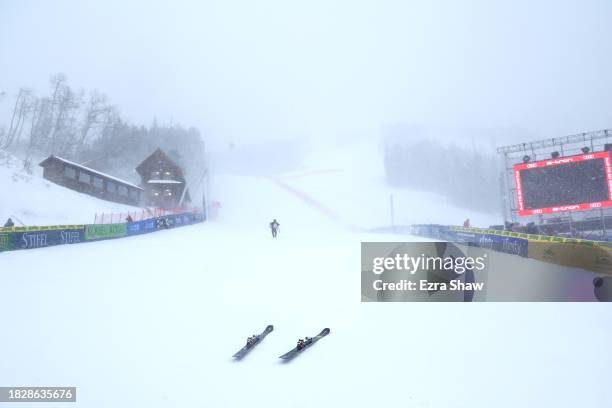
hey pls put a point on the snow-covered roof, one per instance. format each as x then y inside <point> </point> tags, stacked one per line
<point>156,181</point>
<point>80,166</point>
<point>154,160</point>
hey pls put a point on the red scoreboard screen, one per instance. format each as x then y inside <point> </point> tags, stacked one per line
<point>573,183</point>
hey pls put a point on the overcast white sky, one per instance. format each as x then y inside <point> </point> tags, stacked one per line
<point>280,68</point>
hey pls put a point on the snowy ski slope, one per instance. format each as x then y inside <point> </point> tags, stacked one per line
<point>119,320</point>
<point>351,180</point>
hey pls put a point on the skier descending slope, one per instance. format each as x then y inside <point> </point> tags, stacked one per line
<point>304,344</point>
<point>252,341</point>
<point>274,227</point>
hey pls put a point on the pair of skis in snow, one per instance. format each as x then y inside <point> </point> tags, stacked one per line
<point>288,355</point>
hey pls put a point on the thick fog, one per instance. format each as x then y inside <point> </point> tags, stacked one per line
<point>350,123</point>
<point>242,70</point>
<point>267,83</point>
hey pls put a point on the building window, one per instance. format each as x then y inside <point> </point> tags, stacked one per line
<point>167,175</point>
<point>123,191</point>
<point>98,183</point>
<point>134,195</point>
<point>155,175</point>
<point>111,187</point>
<point>69,172</point>
<point>167,193</point>
<point>84,177</point>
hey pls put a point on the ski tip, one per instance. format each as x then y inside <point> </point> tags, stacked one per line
<point>325,331</point>
<point>270,328</point>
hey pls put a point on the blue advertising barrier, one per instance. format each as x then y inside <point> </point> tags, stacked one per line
<point>45,238</point>
<point>497,242</point>
<point>174,220</point>
<point>154,224</point>
<point>40,237</point>
<point>141,227</point>
<point>508,245</point>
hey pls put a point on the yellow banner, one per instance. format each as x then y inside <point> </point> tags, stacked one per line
<point>594,258</point>
<point>42,228</point>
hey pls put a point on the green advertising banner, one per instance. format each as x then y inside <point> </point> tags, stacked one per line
<point>105,231</point>
<point>5,242</point>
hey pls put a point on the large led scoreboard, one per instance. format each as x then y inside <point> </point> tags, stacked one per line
<point>573,183</point>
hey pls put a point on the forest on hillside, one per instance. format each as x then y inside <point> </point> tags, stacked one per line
<point>466,177</point>
<point>86,127</point>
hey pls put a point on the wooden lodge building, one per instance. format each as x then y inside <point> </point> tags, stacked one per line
<point>163,181</point>
<point>89,181</point>
<point>163,184</point>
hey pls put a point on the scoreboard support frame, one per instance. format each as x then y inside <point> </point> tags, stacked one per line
<point>541,150</point>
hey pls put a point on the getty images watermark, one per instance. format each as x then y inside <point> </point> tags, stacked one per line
<point>421,272</point>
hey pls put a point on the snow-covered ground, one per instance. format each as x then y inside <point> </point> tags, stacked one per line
<point>152,321</point>
<point>32,200</point>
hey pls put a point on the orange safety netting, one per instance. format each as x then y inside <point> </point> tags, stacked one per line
<point>144,214</point>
